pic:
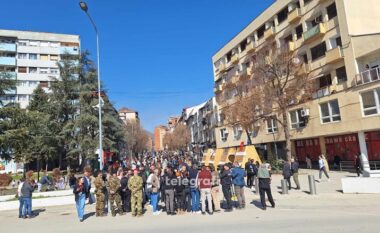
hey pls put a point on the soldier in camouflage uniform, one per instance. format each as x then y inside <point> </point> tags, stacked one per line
<point>135,184</point>
<point>114,195</point>
<point>100,193</point>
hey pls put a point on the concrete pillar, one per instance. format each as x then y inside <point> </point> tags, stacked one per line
<point>362,143</point>
<point>322,145</point>
<point>293,148</point>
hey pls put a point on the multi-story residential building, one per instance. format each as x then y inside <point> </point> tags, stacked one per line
<point>126,114</point>
<point>339,41</point>
<point>173,122</point>
<point>159,134</point>
<point>31,59</point>
<point>202,121</point>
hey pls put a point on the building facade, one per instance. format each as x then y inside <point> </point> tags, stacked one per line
<point>126,115</point>
<point>339,42</point>
<point>31,59</point>
<point>159,134</point>
<point>202,121</point>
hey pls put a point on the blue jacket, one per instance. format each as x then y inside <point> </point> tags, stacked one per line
<point>238,175</point>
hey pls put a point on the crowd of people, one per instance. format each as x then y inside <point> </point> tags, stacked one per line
<point>172,183</point>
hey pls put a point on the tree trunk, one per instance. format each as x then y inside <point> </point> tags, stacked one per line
<point>249,141</point>
<point>287,135</point>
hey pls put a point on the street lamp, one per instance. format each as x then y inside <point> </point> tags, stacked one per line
<point>84,7</point>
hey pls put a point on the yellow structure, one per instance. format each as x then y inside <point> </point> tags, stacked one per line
<point>230,155</point>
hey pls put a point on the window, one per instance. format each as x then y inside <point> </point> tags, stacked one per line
<point>336,42</point>
<point>272,125</point>
<point>260,31</point>
<point>54,71</point>
<point>282,15</point>
<point>296,119</point>
<point>21,69</point>
<point>223,134</point>
<point>371,102</point>
<point>237,132</point>
<point>53,57</point>
<point>306,1</point>
<point>44,84</point>
<point>317,20</point>
<point>318,51</point>
<point>33,56</point>
<point>299,31</point>
<point>22,56</point>
<point>331,11</point>
<point>288,39</point>
<point>22,83</point>
<point>330,111</point>
<point>32,70</point>
<point>44,70</point>
<point>54,44</point>
<point>341,74</point>
<point>22,42</point>
<point>33,83</point>
<point>305,59</point>
<point>229,56</point>
<point>325,81</point>
<point>22,97</point>
<point>33,43</point>
<point>243,45</point>
<point>44,57</point>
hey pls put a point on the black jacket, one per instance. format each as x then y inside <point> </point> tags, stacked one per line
<point>225,178</point>
<point>27,189</point>
<point>170,181</point>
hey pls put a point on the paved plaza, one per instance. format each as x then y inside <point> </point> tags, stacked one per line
<point>329,211</point>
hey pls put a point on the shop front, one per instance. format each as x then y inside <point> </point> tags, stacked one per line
<point>308,147</point>
<point>344,146</point>
<point>373,145</point>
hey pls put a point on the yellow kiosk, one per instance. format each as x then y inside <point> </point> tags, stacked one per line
<point>229,155</point>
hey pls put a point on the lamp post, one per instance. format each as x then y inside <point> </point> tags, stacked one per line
<point>84,7</point>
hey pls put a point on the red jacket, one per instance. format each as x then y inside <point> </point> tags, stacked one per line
<point>204,179</point>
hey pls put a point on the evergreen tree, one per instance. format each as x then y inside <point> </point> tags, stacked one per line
<point>7,83</point>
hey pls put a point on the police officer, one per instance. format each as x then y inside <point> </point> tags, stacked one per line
<point>100,193</point>
<point>114,194</point>
<point>135,184</point>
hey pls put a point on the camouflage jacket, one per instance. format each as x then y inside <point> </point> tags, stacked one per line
<point>135,184</point>
<point>114,185</point>
<point>100,184</point>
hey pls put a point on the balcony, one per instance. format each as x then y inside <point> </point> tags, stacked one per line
<point>8,75</point>
<point>334,55</point>
<point>69,50</point>
<point>234,59</point>
<point>368,76</point>
<point>10,92</point>
<point>294,15</point>
<point>304,69</point>
<point>292,46</point>
<point>9,47</point>
<point>315,32</point>
<point>326,91</point>
<point>7,61</point>
<point>251,47</point>
<point>269,33</point>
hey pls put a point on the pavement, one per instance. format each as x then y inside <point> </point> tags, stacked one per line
<point>329,211</point>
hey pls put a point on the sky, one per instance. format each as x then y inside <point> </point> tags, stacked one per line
<point>155,54</point>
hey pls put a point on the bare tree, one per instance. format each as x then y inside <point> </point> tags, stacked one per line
<point>137,138</point>
<point>179,139</point>
<point>284,81</point>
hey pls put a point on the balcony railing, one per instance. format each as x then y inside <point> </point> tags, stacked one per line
<point>334,55</point>
<point>270,32</point>
<point>314,32</point>
<point>221,68</point>
<point>294,15</point>
<point>8,61</point>
<point>251,47</point>
<point>292,46</point>
<point>321,93</point>
<point>368,76</point>
<point>9,47</point>
<point>234,59</point>
<point>69,50</point>
<point>8,75</point>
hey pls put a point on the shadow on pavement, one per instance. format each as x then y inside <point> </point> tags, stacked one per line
<point>88,215</point>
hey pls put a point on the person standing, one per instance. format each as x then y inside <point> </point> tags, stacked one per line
<point>308,162</point>
<point>195,199</point>
<point>135,184</point>
<point>225,180</point>
<point>294,169</point>
<point>87,183</point>
<point>80,197</point>
<point>170,181</point>
<point>287,173</point>
<point>180,196</point>
<point>322,168</point>
<point>21,202</point>
<point>238,175</point>
<point>215,182</point>
<point>204,184</point>
<point>123,192</point>
<point>114,195</point>
<point>251,171</point>
<point>26,193</point>
<point>264,185</point>
<point>358,165</point>
<point>155,180</point>
<point>100,195</point>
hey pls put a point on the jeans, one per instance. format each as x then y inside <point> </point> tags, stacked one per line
<point>206,194</point>
<point>227,195</point>
<point>250,179</point>
<point>169,201</point>
<point>323,169</point>
<point>194,200</point>
<point>21,207</point>
<point>27,206</point>
<point>154,201</point>
<point>239,191</point>
<point>80,203</point>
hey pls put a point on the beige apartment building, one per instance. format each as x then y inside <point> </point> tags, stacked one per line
<point>339,41</point>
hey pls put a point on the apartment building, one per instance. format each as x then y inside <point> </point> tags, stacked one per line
<point>159,134</point>
<point>202,120</point>
<point>31,59</point>
<point>339,42</point>
<point>126,115</point>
